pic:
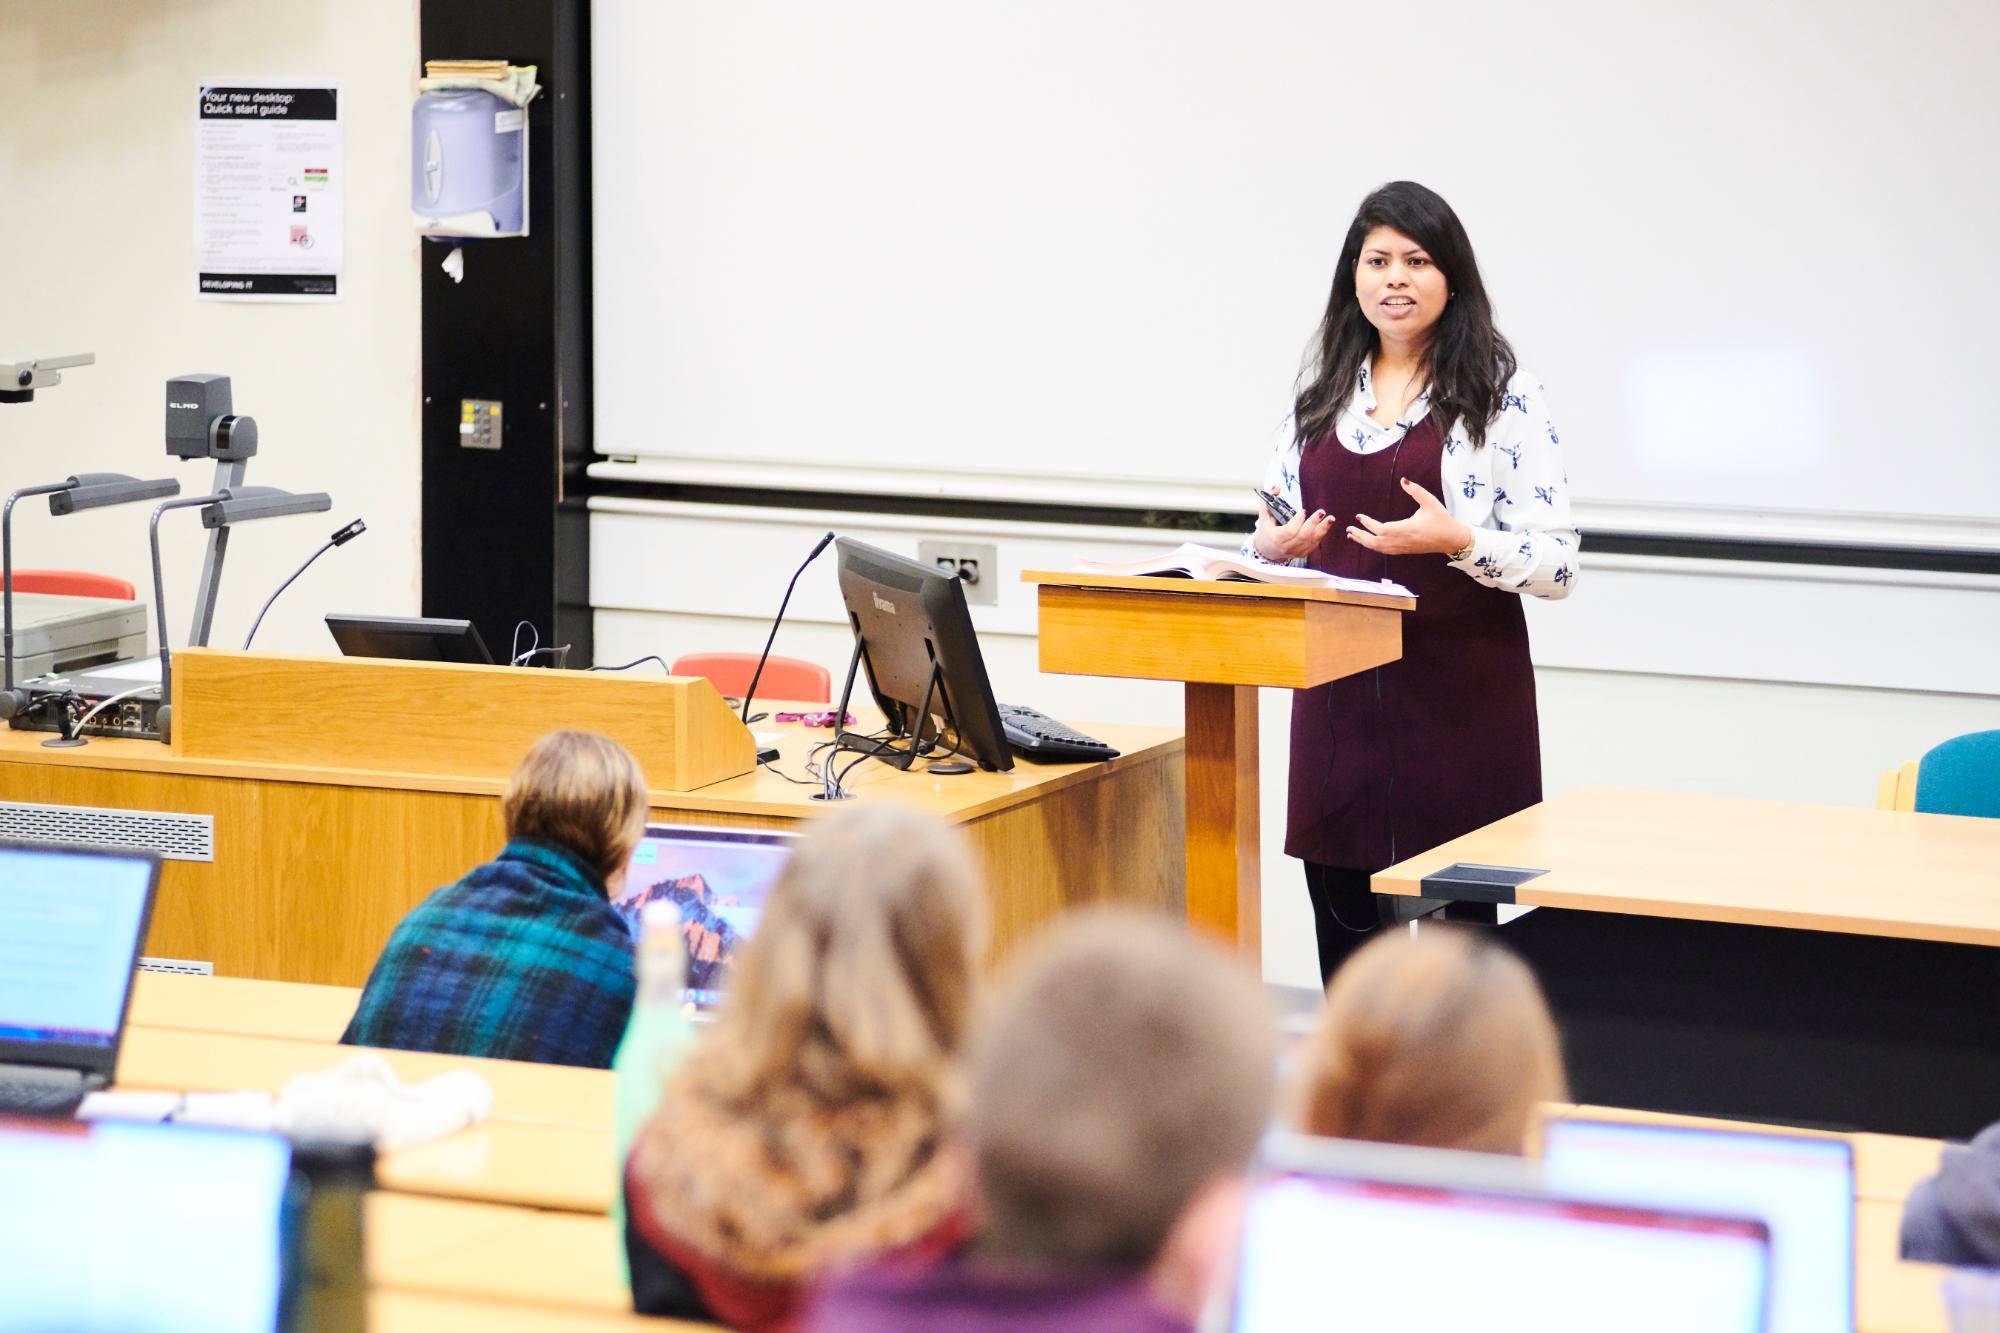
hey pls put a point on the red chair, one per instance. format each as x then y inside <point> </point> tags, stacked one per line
<point>791,678</point>
<point>72,583</point>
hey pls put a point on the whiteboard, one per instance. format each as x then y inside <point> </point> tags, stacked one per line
<point>1077,249</point>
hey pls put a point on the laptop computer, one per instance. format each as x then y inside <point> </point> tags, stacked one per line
<point>719,879</point>
<point>115,1227</point>
<point>1801,1186</point>
<point>1367,1237</point>
<point>72,920</point>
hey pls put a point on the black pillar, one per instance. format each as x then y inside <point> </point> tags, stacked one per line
<point>505,534</point>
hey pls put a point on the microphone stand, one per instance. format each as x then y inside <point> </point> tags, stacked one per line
<point>9,703</point>
<point>160,599</point>
<point>765,656</point>
<point>341,538</point>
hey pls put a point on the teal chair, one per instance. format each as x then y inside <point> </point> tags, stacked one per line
<point>1961,776</point>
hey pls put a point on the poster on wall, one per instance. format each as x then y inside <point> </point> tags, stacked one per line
<point>269,177</point>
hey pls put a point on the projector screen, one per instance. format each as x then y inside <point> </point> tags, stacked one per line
<point>1075,251</point>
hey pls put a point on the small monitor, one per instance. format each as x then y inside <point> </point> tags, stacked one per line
<point>410,638</point>
<point>72,921</point>
<point>1359,1241</point>
<point>719,879</point>
<point>913,640</point>
<point>1802,1186</point>
<point>111,1227</point>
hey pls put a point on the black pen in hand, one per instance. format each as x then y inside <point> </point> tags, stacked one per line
<point>1280,511</point>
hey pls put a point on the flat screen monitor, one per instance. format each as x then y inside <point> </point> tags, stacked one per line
<point>719,878</point>
<point>1347,1245</point>
<point>410,638</point>
<point>128,1228</point>
<point>1801,1186</point>
<point>914,643</point>
<point>72,921</point>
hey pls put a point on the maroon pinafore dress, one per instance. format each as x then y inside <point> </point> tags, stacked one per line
<point>1393,761</point>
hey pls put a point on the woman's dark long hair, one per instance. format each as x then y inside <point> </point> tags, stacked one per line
<point>1466,362</point>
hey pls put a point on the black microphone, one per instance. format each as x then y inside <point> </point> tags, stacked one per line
<point>765,656</point>
<point>341,538</point>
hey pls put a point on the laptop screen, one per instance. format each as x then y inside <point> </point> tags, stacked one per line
<point>719,878</point>
<point>1802,1187</point>
<point>1322,1251</point>
<point>141,1228</point>
<point>71,923</point>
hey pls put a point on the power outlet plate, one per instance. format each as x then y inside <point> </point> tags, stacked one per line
<point>977,565</point>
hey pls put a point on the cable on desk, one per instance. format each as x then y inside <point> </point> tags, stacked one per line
<point>635,662</point>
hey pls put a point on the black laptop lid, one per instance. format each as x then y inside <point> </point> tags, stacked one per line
<point>72,920</point>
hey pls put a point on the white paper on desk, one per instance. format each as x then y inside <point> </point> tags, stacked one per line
<point>767,739</point>
<point>227,1110</point>
<point>363,1099</point>
<point>1189,560</point>
<point>147,1107</point>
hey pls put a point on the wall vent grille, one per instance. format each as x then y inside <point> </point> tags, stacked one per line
<point>175,837</point>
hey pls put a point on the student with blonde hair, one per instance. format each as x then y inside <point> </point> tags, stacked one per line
<point>807,1130</point>
<point>525,958</point>
<point>1118,1088</point>
<point>1439,1039</point>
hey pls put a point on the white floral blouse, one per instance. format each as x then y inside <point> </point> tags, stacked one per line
<point>1512,491</point>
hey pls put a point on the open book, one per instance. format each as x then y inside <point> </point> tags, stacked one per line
<point>1205,562</point>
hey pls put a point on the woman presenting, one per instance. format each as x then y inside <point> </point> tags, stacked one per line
<point>1414,423</point>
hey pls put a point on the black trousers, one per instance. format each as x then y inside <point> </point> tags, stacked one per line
<point>1345,915</point>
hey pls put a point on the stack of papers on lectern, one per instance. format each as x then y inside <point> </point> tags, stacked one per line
<point>1205,562</point>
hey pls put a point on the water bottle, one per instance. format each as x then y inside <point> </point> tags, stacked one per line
<point>325,1285</point>
<point>656,1037</point>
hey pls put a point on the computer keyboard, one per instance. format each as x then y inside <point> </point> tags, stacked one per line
<point>1039,736</point>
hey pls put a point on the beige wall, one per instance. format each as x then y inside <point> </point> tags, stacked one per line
<point>96,254</point>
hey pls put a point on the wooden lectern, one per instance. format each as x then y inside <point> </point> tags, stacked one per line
<point>1224,640</point>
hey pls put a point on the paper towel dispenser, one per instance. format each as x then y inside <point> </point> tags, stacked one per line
<point>469,164</point>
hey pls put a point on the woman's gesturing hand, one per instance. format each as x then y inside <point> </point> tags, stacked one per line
<point>1279,542</point>
<point>1430,529</point>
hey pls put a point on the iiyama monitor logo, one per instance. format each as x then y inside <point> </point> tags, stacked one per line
<point>883,604</point>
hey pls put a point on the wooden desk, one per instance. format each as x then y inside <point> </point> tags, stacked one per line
<point>1888,1166</point>
<point>530,1257</point>
<point>423,1259</point>
<point>400,1230</point>
<point>1757,959</point>
<point>565,1167</point>
<point>475,1258</point>
<point>313,866</point>
<point>168,1058</point>
<point>1891,1296</point>
<point>421,1312</point>
<point>250,1008</point>
<point>450,1246</point>
<point>548,1143</point>
<point>569,1262</point>
<point>1882,873</point>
